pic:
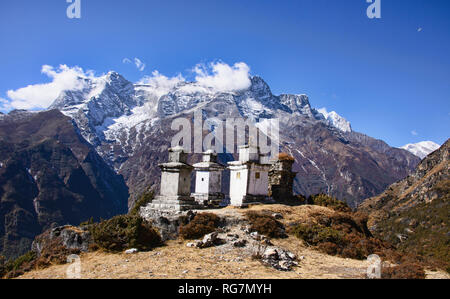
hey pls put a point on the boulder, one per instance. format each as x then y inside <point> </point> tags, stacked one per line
<point>70,237</point>
<point>279,258</point>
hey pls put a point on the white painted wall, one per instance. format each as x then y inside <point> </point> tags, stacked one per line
<point>202,182</point>
<point>184,186</point>
<point>258,186</point>
<point>176,183</point>
<point>169,183</point>
<point>238,186</point>
<point>208,182</point>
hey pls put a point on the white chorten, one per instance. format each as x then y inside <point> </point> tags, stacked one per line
<point>208,180</point>
<point>249,177</point>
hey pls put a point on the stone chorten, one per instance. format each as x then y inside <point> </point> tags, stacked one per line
<point>175,184</point>
<point>281,179</point>
<point>208,181</point>
<point>249,177</point>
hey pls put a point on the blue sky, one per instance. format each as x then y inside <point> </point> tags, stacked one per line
<point>389,78</point>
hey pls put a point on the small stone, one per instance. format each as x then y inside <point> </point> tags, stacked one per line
<point>131,251</point>
<point>210,240</point>
<point>232,237</point>
<point>277,216</point>
<point>246,229</point>
<point>257,236</point>
<point>270,253</point>
<point>240,243</point>
<point>285,266</point>
<point>409,231</point>
<point>266,242</point>
<point>290,255</point>
<point>185,271</point>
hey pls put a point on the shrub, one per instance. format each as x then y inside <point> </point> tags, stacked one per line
<point>21,261</point>
<point>124,232</point>
<point>201,224</point>
<point>403,271</point>
<point>315,234</point>
<point>300,199</point>
<point>265,224</point>
<point>143,200</point>
<point>2,266</point>
<point>330,202</point>
<point>343,235</point>
<point>285,157</point>
<point>20,265</point>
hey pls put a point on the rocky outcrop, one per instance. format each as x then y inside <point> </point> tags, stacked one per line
<point>279,258</point>
<point>69,237</point>
<point>168,224</point>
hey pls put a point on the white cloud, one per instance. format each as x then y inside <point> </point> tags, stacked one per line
<point>140,65</point>
<point>160,83</point>
<point>214,77</point>
<point>414,133</point>
<point>223,77</point>
<point>40,96</point>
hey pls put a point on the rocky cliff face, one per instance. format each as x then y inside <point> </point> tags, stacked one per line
<point>414,213</point>
<point>130,127</point>
<point>49,175</point>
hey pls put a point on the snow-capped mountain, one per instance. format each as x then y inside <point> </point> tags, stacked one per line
<point>336,120</point>
<point>421,149</point>
<point>130,127</point>
<point>110,107</point>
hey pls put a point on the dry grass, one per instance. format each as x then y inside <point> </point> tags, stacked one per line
<point>175,260</point>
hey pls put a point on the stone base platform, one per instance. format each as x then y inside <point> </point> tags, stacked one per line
<point>253,199</point>
<point>209,201</point>
<point>173,204</point>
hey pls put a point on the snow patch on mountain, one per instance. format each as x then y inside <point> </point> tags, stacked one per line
<point>421,149</point>
<point>336,120</point>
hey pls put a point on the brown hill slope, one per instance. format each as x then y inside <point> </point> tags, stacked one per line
<point>414,213</point>
<point>49,175</point>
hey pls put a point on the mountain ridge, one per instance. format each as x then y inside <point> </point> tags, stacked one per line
<point>413,213</point>
<point>129,124</point>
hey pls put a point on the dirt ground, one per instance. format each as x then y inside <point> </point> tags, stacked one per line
<point>176,260</point>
